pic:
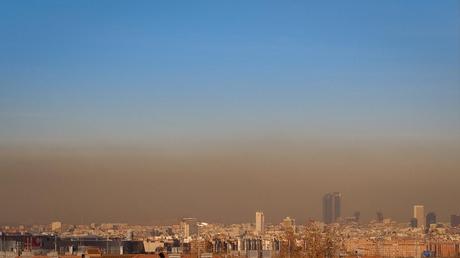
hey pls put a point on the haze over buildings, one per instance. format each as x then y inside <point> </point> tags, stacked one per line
<point>148,112</point>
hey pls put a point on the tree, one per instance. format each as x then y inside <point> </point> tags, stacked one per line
<point>332,242</point>
<point>289,246</point>
<point>313,241</point>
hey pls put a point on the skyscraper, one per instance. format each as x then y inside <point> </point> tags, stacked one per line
<point>413,222</point>
<point>260,223</point>
<point>454,220</point>
<point>419,214</point>
<point>189,227</point>
<point>332,207</point>
<point>430,219</point>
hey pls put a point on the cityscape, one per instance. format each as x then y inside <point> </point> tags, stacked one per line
<point>335,236</point>
<point>229,129</point>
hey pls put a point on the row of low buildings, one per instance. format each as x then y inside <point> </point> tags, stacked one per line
<point>387,239</point>
<point>339,237</point>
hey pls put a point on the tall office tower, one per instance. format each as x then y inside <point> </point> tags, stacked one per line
<point>260,223</point>
<point>189,227</point>
<point>454,220</point>
<point>186,229</point>
<point>332,207</point>
<point>413,222</point>
<point>430,219</point>
<point>419,214</point>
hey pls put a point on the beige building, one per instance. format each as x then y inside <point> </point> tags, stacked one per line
<point>56,226</point>
<point>419,214</point>
<point>288,223</point>
<point>260,223</point>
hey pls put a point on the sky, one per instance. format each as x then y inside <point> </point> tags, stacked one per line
<point>149,111</point>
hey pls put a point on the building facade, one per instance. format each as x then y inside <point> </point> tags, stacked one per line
<point>419,214</point>
<point>430,219</point>
<point>332,206</point>
<point>260,223</point>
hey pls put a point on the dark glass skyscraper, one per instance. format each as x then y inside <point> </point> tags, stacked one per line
<point>332,205</point>
<point>413,222</point>
<point>454,220</point>
<point>430,219</point>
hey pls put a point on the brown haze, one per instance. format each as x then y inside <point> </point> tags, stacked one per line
<point>227,182</point>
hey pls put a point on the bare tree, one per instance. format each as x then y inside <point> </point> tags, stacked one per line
<point>321,242</point>
<point>332,242</point>
<point>313,241</point>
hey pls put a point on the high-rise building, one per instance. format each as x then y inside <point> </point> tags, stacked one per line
<point>430,219</point>
<point>260,223</point>
<point>413,222</point>
<point>419,214</point>
<point>332,207</point>
<point>189,227</point>
<point>454,220</point>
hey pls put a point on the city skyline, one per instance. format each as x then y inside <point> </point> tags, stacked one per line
<point>331,214</point>
<point>190,225</point>
<point>192,238</point>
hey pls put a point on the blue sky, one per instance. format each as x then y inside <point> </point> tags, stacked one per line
<point>140,71</point>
